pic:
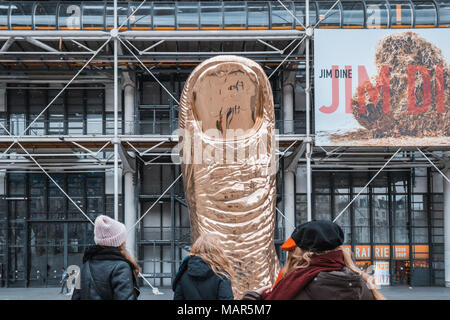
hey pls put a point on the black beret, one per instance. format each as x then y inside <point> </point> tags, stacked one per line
<point>316,235</point>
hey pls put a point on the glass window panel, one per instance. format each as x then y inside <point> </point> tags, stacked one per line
<point>359,180</point>
<point>94,185</point>
<point>300,209</point>
<point>353,14</point>
<point>16,233</point>
<point>211,15</point>
<point>4,9</point>
<point>75,185</point>
<point>331,18</point>
<point>16,264</point>
<point>73,212</point>
<point>75,124</point>
<point>16,184</point>
<point>142,18</point>
<point>361,235</point>
<point>380,184</point>
<point>37,208</point>
<point>122,15</point>
<point>45,16</point>
<point>376,14</point>
<point>300,14</point>
<point>418,210</point>
<point>425,14</point>
<point>95,205</point>
<point>361,210</point>
<point>340,202</point>
<point>187,15</point>
<point>399,210</point>
<point>258,15</point>
<point>163,16</point>
<point>69,16</point>
<point>420,235</point>
<point>94,124</point>
<point>400,235</point>
<point>281,19</point>
<point>235,15</point>
<point>16,123</point>
<point>21,15</point>
<point>93,15</point>
<point>109,123</point>
<point>56,113</point>
<point>321,182</point>
<point>381,218</point>
<point>444,13</point>
<point>38,234</point>
<point>53,189</point>
<point>55,262</point>
<point>37,100</point>
<point>56,207</point>
<point>401,14</point>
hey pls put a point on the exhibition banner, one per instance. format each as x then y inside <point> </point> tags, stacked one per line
<point>381,275</point>
<point>382,87</point>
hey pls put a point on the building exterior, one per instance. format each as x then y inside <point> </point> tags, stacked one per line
<point>71,151</point>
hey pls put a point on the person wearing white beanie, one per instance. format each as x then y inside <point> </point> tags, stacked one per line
<point>108,271</point>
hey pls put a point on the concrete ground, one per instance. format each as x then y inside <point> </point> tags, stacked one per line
<point>391,293</point>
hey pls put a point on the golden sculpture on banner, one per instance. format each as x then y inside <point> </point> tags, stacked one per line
<point>227,138</point>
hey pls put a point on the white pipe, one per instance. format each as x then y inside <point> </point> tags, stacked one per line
<point>289,202</point>
<point>308,117</point>
<point>130,210</point>
<point>289,176</point>
<point>116,118</point>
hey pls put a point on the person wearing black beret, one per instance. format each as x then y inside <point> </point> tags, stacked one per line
<point>318,268</point>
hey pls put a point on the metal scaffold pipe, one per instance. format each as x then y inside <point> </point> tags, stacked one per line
<point>114,33</point>
<point>308,119</point>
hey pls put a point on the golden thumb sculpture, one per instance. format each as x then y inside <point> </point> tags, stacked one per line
<point>227,137</point>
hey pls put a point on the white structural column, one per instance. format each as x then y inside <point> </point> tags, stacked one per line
<point>289,176</point>
<point>447,228</point>
<point>130,210</point>
<point>288,101</point>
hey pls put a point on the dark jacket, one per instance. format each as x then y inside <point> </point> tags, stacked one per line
<point>196,280</point>
<point>106,275</point>
<point>335,285</point>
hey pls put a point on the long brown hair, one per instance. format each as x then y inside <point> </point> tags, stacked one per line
<point>208,247</point>
<point>127,256</point>
<point>299,259</point>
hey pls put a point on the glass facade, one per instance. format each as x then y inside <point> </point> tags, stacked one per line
<point>389,222</point>
<point>74,112</point>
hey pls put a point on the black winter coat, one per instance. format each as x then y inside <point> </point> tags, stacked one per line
<point>106,275</point>
<point>196,280</point>
<point>330,285</point>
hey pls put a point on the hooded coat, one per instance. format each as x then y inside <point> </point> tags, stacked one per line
<point>106,275</point>
<point>196,280</point>
<point>333,285</point>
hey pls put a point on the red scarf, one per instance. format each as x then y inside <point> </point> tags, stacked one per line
<point>289,286</point>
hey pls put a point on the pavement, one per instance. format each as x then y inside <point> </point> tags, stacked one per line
<point>391,293</point>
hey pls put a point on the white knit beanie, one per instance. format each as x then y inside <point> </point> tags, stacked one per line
<point>109,232</point>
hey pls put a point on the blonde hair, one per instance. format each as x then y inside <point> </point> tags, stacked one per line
<point>300,259</point>
<point>208,248</point>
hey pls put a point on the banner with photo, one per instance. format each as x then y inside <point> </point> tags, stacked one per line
<point>382,87</point>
